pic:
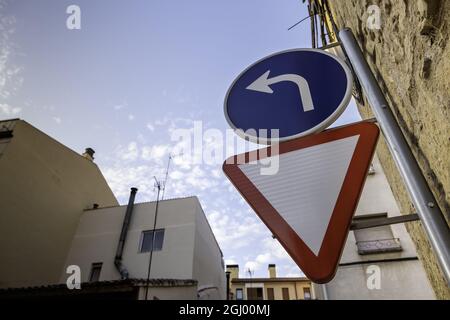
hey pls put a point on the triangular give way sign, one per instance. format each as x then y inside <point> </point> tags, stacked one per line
<point>309,200</point>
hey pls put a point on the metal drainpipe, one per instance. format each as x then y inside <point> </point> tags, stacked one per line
<point>325,292</point>
<point>123,235</point>
<point>227,274</point>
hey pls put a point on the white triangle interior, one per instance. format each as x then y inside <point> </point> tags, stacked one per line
<point>305,189</point>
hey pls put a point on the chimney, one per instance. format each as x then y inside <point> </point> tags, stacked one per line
<point>272,271</point>
<point>234,271</point>
<point>89,154</point>
<point>123,235</point>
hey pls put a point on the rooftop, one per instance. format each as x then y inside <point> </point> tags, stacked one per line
<point>93,288</point>
<point>278,279</point>
<point>141,203</point>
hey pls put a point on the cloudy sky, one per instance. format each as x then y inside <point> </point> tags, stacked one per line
<point>134,75</point>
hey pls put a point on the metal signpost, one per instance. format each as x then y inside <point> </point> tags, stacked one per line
<point>423,199</point>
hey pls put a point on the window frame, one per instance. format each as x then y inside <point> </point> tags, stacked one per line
<point>307,290</point>
<point>95,266</point>
<point>287,296</point>
<point>242,294</point>
<point>270,296</point>
<point>255,293</point>
<point>152,231</point>
<point>384,242</point>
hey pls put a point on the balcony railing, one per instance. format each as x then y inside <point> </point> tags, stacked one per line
<point>379,246</point>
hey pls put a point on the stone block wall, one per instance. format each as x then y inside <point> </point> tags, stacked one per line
<point>410,57</point>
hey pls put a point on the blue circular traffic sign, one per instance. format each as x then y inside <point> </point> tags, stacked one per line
<point>297,91</point>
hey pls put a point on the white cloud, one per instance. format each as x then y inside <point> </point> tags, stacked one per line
<point>216,173</point>
<point>156,152</point>
<point>276,250</point>
<point>234,233</point>
<point>131,117</point>
<point>120,106</point>
<point>151,160</point>
<point>10,79</point>
<point>297,274</point>
<point>230,261</point>
<point>8,110</point>
<point>57,120</point>
<point>264,258</point>
<point>176,175</point>
<point>130,153</point>
<point>198,178</point>
<point>252,266</point>
<point>183,163</point>
<point>121,177</point>
<point>170,123</point>
<point>159,151</point>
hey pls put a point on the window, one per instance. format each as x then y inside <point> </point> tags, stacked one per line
<point>371,169</point>
<point>285,292</point>
<point>95,272</point>
<point>147,240</point>
<point>239,294</point>
<point>307,293</point>
<point>377,239</point>
<point>270,294</point>
<point>255,294</point>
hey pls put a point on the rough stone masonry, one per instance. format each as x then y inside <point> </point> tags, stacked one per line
<point>410,57</point>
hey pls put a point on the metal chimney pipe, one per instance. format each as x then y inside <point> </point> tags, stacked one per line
<point>123,235</point>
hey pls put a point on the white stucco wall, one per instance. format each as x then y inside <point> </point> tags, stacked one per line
<point>169,293</point>
<point>377,197</point>
<point>402,280</point>
<point>402,276</point>
<point>189,248</point>
<point>208,267</point>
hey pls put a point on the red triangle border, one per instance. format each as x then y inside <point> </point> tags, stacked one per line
<point>321,268</point>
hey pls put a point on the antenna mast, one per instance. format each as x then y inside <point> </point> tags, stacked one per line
<point>164,183</point>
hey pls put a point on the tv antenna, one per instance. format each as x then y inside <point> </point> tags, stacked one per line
<point>164,183</point>
<point>157,186</point>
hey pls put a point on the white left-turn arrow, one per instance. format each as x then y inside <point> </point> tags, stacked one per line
<point>262,84</point>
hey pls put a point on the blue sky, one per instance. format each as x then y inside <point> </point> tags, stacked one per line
<point>134,73</point>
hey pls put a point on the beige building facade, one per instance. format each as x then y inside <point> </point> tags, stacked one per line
<point>44,188</point>
<point>271,288</point>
